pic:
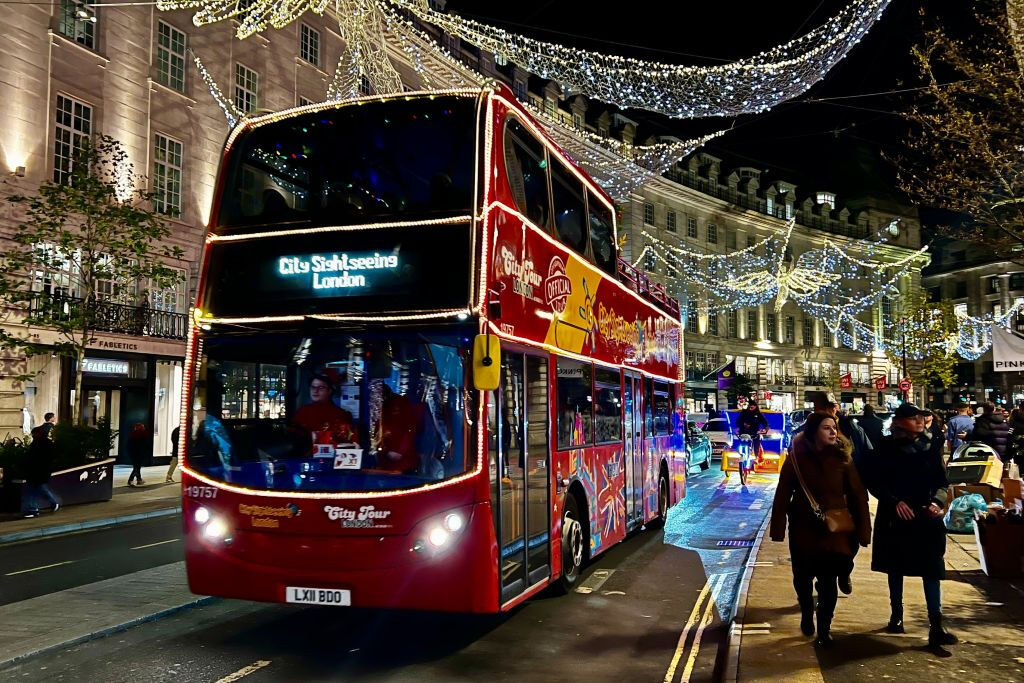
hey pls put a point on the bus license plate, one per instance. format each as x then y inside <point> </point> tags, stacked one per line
<point>318,596</point>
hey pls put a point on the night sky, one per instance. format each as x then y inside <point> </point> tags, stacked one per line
<point>836,142</point>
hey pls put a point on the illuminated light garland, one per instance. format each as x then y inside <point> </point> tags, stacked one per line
<point>362,29</point>
<point>231,112</point>
<point>420,47</point>
<point>750,85</point>
<point>211,238</point>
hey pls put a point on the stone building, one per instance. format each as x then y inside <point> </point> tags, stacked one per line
<point>978,283</point>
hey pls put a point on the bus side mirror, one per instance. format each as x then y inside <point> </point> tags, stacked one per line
<point>486,362</point>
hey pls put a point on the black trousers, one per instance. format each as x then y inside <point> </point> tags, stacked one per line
<point>826,567</point>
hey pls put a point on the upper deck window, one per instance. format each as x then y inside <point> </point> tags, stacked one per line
<point>602,238</point>
<point>569,208</point>
<point>525,166</point>
<point>397,160</point>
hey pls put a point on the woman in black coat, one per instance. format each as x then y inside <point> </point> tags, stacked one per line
<point>910,538</point>
<point>137,452</point>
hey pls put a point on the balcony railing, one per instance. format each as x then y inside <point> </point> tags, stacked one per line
<point>726,193</point>
<point>652,291</point>
<point>108,316</point>
<point>816,380</point>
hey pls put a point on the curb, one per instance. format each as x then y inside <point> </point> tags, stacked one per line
<point>103,632</point>
<point>28,534</point>
<point>735,636</point>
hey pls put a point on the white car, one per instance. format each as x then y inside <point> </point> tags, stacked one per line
<point>720,434</point>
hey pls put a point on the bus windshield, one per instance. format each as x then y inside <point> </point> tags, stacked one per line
<point>331,412</point>
<point>394,160</point>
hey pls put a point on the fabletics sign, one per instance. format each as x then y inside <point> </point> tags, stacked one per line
<point>338,271</point>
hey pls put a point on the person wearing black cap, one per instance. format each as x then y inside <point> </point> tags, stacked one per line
<point>910,538</point>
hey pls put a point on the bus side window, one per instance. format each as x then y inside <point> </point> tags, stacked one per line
<point>661,408</point>
<point>607,405</point>
<point>569,209</point>
<point>602,240</point>
<point>575,403</point>
<point>525,164</point>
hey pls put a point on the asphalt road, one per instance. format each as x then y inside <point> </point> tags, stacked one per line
<point>650,609</point>
<point>55,563</point>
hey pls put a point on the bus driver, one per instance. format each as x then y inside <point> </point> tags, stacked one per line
<point>327,422</point>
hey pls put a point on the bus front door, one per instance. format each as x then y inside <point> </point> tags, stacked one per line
<point>524,466</point>
<point>634,452</point>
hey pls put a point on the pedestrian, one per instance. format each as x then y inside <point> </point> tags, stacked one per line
<point>991,428</point>
<point>871,424</point>
<point>137,439</point>
<point>49,420</point>
<point>41,455</point>
<point>819,480</point>
<point>935,431</point>
<point>910,537</point>
<point>959,427</point>
<point>750,422</point>
<point>1016,450</point>
<point>174,454</point>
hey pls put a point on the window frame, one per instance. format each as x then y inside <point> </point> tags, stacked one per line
<point>161,201</point>
<point>75,135</point>
<point>598,384</point>
<point>309,44</point>
<point>166,57</point>
<point>80,31</point>
<point>243,90</point>
<point>589,440</point>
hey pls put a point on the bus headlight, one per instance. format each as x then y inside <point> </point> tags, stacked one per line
<point>217,530</point>
<point>440,532</point>
<point>202,515</point>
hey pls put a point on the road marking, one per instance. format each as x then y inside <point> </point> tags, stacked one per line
<point>150,545</point>
<point>709,615</point>
<point>242,673</point>
<point>595,581</point>
<point>35,569</point>
<point>690,622</point>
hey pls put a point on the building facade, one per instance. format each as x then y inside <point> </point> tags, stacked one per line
<point>978,284</point>
<point>706,206</point>
<point>70,71</point>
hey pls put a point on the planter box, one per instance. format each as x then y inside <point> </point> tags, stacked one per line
<point>85,484</point>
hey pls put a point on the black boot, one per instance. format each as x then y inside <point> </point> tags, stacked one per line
<point>938,636</point>
<point>824,639</point>
<point>806,615</point>
<point>895,624</point>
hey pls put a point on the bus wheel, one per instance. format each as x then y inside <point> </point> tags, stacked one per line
<point>573,548</point>
<point>662,502</point>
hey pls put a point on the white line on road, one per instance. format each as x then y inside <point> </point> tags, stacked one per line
<point>35,569</point>
<point>150,545</point>
<point>242,673</point>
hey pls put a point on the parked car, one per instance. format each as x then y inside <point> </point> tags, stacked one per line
<point>698,446</point>
<point>720,433</point>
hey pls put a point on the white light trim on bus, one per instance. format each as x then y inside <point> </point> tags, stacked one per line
<point>211,238</point>
<point>341,317</point>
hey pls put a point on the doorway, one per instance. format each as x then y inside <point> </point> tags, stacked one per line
<point>634,439</point>
<point>520,472</point>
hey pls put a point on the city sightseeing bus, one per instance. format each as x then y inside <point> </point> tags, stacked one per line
<point>419,375</point>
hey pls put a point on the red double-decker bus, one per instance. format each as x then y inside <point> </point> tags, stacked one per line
<point>420,376</point>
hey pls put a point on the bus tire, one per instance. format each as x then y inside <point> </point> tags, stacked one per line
<point>574,545</point>
<point>663,496</point>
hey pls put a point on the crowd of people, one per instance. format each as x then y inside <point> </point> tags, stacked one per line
<point>834,462</point>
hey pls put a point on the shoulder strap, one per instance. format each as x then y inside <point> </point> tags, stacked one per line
<point>803,485</point>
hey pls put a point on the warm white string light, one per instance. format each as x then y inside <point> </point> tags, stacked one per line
<point>750,85</point>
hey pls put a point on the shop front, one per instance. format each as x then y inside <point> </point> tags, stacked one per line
<point>126,381</point>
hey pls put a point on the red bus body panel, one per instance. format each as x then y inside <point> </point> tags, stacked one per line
<point>551,300</point>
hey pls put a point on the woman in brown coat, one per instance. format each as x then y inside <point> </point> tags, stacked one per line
<point>826,465</point>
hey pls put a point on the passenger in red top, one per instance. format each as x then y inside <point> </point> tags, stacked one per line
<point>327,422</point>
<point>400,422</point>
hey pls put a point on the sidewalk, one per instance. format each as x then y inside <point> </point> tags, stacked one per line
<point>986,614</point>
<point>128,504</point>
<point>59,620</point>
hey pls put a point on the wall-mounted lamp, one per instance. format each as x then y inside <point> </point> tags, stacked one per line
<point>19,172</point>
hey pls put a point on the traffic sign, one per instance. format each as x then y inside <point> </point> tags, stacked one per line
<point>905,384</point>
